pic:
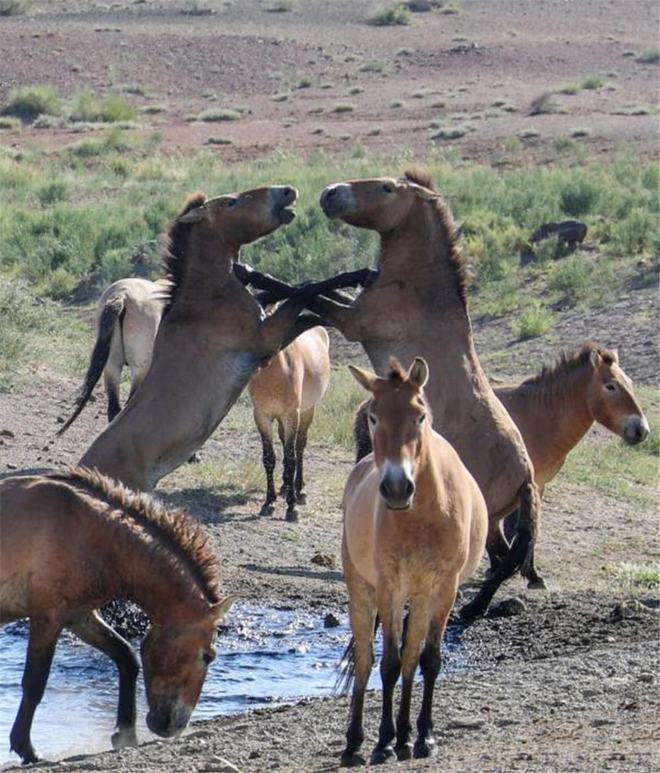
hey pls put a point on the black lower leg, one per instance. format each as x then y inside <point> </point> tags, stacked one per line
<point>35,676</point>
<point>390,668</point>
<point>114,407</point>
<point>301,442</point>
<point>355,732</point>
<point>268,457</point>
<point>403,746</point>
<point>288,478</point>
<point>429,661</point>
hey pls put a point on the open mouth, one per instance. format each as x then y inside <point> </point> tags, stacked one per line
<point>286,214</point>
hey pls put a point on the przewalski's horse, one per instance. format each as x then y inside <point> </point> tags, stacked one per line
<point>74,540</point>
<point>212,337</point>
<point>555,409</point>
<point>418,305</point>
<point>415,525</point>
<point>287,390</point>
<point>127,318</point>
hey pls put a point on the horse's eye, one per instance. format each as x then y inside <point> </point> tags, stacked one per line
<point>388,188</point>
<point>610,387</point>
<point>421,419</point>
<point>231,203</point>
<point>208,657</point>
<point>372,420</point>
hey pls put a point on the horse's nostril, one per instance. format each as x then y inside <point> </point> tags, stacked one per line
<point>287,191</point>
<point>384,491</point>
<point>330,193</point>
<point>410,489</point>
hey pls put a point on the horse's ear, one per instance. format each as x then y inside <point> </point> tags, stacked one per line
<point>365,378</point>
<point>418,374</point>
<point>220,609</point>
<point>193,215</point>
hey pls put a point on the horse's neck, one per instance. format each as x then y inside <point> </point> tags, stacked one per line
<point>418,253</point>
<point>145,576</point>
<point>564,403</point>
<point>207,270</point>
<point>429,484</point>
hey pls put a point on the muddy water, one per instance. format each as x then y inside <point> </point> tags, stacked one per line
<point>266,657</point>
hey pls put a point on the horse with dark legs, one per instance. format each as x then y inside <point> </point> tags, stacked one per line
<point>415,526</point>
<point>51,525</point>
<point>418,305</point>
<point>212,337</point>
<point>287,390</point>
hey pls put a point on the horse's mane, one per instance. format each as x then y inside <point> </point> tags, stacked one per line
<point>397,373</point>
<point>456,261</point>
<point>568,363</point>
<point>172,531</point>
<point>174,258</point>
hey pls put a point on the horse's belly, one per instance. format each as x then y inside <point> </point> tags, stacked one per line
<point>13,598</point>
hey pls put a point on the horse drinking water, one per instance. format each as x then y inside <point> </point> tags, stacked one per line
<point>415,526</point>
<point>74,540</point>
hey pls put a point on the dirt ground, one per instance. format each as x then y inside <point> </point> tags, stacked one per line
<point>569,684</point>
<point>481,68</point>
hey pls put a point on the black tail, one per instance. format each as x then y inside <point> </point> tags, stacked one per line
<point>361,431</point>
<point>346,666</point>
<point>110,316</point>
<point>521,547</point>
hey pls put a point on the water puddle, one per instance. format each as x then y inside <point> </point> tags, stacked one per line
<point>267,657</point>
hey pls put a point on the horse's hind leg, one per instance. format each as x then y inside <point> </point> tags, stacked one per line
<point>112,375</point>
<point>301,444</point>
<point>96,632</point>
<point>40,651</point>
<point>290,432</point>
<point>265,427</point>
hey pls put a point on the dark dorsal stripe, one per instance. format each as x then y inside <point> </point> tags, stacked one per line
<point>173,531</point>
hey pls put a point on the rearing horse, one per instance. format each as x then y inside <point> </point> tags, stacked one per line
<point>415,526</point>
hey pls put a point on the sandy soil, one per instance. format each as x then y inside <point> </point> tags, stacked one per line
<point>572,682</point>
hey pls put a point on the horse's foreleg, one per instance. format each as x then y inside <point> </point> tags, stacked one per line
<point>362,614</point>
<point>265,427</point>
<point>40,651</point>
<point>390,609</point>
<point>96,632</point>
<point>416,626</point>
<point>430,661</point>
<point>289,464</point>
<point>301,444</point>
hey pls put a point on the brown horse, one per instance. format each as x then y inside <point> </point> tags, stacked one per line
<point>556,408</point>
<point>415,526</point>
<point>212,337</point>
<point>287,390</point>
<point>71,542</point>
<point>418,305</point>
<point>127,318</point>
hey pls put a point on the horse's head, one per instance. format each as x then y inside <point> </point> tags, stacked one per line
<point>612,401</point>
<point>379,204</point>
<point>398,415</point>
<point>175,658</point>
<point>241,218</point>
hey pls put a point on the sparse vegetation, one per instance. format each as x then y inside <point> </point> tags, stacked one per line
<point>645,576</point>
<point>578,197</point>
<point>280,6</point>
<point>14,7</point>
<point>650,56</point>
<point>543,104</point>
<point>216,115</point>
<point>580,133</point>
<point>534,322</point>
<point>343,107</point>
<point>27,102</point>
<point>451,133</point>
<point>374,65</point>
<point>394,14</point>
<point>87,107</point>
<point>593,82</point>
<point>572,278</point>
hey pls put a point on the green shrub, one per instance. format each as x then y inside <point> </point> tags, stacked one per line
<point>14,7</point>
<point>27,102</point>
<point>216,115</point>
<point>391,15</point>
<point>534,322</point>
<point>569,88</point>
<point>578,197</point>
<point>374,65</point>
<point>593,82</point>
<point>113,109</point>
<point>52,191</point>
<point>572,278</point>
<point>543,104</point>
<point>650,56</point>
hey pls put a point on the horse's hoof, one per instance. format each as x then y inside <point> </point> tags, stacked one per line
<point>404,751</point>
<point>283,490</point>
<point>123,739</point>
<point>267,509</point>
<point>537,583</point>
<point>471,611</point>
<point>292,515</point>
<point>301,498</point>
<point>381,755</point>
<point>195,458</point>
<point>352,760</point>
<point>424,749</point>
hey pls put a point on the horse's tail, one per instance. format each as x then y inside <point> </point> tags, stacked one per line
<point>111,315</point>
<point>522,547</point>
<point>346,675</point>
<point>361,431</point>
